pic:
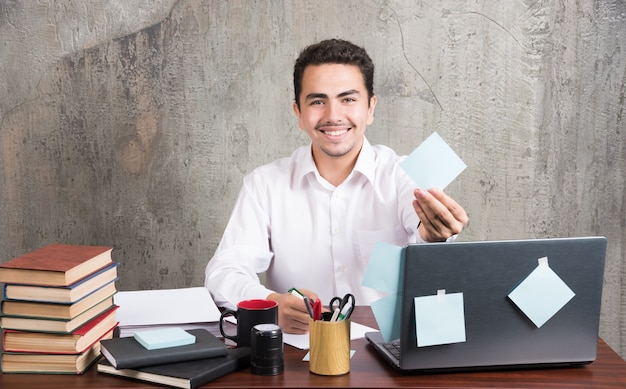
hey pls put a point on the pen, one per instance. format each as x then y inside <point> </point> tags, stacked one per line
<point>297,293</point>
<point>307,302</point>
<point>317,310</point>
<point>335,315</point>
<point>345,312</point>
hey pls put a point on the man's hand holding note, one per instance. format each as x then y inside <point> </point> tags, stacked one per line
<point>441,217</point>
<point>432,166</point>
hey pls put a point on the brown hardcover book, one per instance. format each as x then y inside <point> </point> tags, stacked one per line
<point>50,363</point>
<point>63,294</point>
<point>75,343</point>
<point>54,325</point>
<point>55,310</point>
<point>55,265</point>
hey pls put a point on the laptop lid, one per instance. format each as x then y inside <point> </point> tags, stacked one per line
<point>498,334</point>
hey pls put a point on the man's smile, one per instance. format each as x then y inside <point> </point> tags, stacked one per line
<point>334,132</point>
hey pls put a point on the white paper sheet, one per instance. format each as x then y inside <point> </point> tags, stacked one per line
<point>165,306</point>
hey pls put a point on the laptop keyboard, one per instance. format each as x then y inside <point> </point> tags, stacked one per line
<point>394,348</point>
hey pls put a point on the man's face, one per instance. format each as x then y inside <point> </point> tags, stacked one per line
<point>334,110</point>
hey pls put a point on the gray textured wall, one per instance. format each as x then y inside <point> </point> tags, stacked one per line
<point>131,123</point>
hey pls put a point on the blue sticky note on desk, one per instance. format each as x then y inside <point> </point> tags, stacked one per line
<point>542,294</point>
<point>164,337</point>
<point>439,319</point>
<point>433,164</point>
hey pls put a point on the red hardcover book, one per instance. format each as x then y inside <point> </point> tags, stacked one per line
<point>76,342</point>
<point>50,363</point>
<point>65,326</point>
<point>55,265</point>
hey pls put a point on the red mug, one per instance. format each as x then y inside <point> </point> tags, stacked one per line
<point>248,314</point>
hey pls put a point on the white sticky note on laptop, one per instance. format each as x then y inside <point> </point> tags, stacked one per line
<point>433,164</point>
<point>439,319</point>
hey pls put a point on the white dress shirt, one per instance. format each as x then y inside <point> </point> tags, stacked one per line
<point>303,232</point>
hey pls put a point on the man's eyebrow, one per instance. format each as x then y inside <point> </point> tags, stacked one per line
<point>311,96</point>
<point>348,93</point>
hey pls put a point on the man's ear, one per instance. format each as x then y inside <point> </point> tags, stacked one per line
<point>296,110</point>
<point>370,110</point>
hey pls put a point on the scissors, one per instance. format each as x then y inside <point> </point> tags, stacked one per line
<point>342,307</point>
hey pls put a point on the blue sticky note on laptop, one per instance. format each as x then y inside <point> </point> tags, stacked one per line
<point>164,337</point>
<point>439,319</point>
<point>542,294</point>
<point>433,164</point>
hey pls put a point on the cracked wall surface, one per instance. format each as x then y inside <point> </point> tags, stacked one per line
<point>131,123</point>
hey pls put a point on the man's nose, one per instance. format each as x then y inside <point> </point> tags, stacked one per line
<point>333,112</point>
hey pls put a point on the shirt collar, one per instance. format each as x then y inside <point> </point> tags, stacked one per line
<point>365,163</point>
<point>304,163</point>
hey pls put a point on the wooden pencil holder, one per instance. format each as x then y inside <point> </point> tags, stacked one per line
<point>329,347</point>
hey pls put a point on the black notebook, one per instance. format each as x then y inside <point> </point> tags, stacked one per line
<point>190,374</point>
<point>128,353</point>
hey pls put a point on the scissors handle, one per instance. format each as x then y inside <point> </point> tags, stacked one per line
<point>335,303</point>
<point>343,307</point>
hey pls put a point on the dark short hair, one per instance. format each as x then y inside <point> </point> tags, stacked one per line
<point>334,51</point>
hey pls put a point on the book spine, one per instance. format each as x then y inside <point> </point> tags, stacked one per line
<point>237,359</point>
<point>127,362</point>
<point>2,339</point>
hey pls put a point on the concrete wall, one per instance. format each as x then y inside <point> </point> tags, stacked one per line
<point>131,123</point>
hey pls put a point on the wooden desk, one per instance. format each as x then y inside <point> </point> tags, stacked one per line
<point>367,370</point>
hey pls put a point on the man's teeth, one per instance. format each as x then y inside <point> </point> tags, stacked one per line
<point>335,133</point>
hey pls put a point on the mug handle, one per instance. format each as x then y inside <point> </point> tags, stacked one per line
<point>224,315</point>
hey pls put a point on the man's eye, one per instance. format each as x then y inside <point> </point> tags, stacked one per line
<point>316,102</point>
<point>349,99</point>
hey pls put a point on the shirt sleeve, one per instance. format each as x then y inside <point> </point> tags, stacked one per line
<point>232,274</point>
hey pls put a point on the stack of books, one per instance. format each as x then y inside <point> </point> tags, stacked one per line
<point>171,356</point>
<point>57,306</point>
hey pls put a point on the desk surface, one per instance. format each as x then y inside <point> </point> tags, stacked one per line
<point>367,369</point>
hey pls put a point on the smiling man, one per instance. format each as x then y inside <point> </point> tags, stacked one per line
<point>311,220</point>
<point>334,110</point>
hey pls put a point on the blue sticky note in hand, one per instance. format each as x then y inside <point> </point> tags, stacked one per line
<point>542,294</point>
<point>433,164</point>
<point>439,319</point>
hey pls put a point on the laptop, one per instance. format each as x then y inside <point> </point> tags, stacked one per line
<point>498,334</point>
